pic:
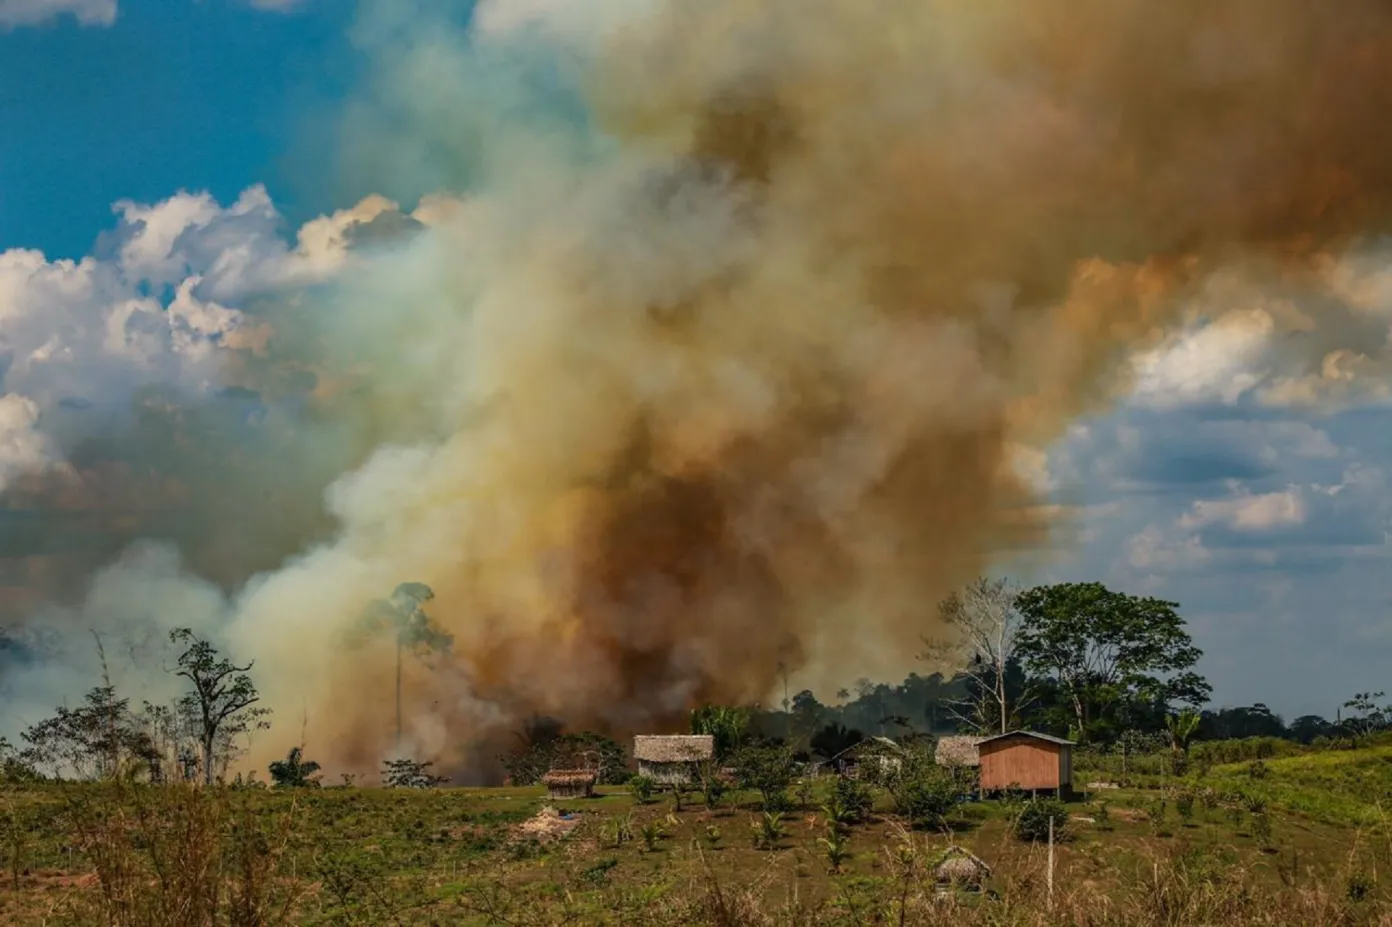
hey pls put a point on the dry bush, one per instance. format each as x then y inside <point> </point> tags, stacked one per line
<point>180,856</point>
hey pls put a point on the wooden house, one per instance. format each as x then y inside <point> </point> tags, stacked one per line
<point>1026,760</point>
<point>673,760</point>
<point>879,756</point>
<point>569,783</point>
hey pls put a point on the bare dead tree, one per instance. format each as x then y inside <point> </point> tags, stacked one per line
<point>980,625</point>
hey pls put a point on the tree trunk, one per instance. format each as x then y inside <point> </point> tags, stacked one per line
<point>1000,693</point>
<point>207,759</point>
<point>398,698</point>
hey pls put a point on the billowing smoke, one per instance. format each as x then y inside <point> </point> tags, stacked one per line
<point>726,359</point>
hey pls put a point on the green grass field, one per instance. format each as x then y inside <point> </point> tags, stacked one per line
<point>1347,787</point>
<point>123,855</point>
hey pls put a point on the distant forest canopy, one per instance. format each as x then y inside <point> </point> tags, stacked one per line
<point>928,705</point>
<point>1077,660</point>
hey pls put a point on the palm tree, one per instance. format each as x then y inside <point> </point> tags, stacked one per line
<point>294,771</point>
<point>404,614</point>
<point>1182,727</point>
<point>725,724</point>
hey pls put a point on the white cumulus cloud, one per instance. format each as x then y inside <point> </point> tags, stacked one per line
<point>166,307</point>
<point>1248,512</point>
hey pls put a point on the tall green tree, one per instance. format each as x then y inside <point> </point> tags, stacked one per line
<point>1364,715</point>
<point>403,615</point>
<point>221,703</point>
<point>1107,655</point>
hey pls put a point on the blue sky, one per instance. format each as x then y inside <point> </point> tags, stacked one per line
<point>1257,498</point>
<point>177,94</point>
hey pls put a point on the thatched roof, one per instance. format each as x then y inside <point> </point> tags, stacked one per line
<point>958,751</point>
<point>686,748</point>
<point>569,777</point>
<point>961,867</point>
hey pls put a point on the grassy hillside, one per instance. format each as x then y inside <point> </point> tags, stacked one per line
<point>1346,787</point>
<point>140,856</point>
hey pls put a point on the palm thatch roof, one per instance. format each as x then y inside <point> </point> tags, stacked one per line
<point>569,777</point>
<point>684,748</point>
<point>960,867</point>
<point>958,751</point>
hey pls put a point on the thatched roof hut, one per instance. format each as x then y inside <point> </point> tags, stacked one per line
<point>961,869</point>
<point>672,759</point>
<point>569,783</point>
<point>958,751</point>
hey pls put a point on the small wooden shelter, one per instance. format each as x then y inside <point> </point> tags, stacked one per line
<point>569,783</point>
<point>1026,760</point>
<point>675,759</point>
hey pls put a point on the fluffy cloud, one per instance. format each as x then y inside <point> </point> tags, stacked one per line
<point>164,306</point>
<point>1248,512</point>
<point>15,13</point>
<point>23,448</point>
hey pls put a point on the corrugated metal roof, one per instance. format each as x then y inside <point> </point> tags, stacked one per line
<point>1050,738</point>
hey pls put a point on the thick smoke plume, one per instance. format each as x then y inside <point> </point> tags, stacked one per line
<point>725,361</point>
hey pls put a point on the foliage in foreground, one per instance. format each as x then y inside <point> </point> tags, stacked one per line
<point>224,857</point>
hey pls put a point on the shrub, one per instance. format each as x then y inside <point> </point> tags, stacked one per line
<point>1358,888</point>
<point>768,771</point>
<point>1261,828</point>
<point>768,830</point>
<point>1184,804</point>
<point>642,788</point>
<point>598,873</point>
<point>927,798</point>
<point>651,832</point>
<point>1033,822</point>
<point>855,798</point>
<point>713,788</point>
<point>295,772</point>
<point>408,774</point>
<point>837,847</point>
<point>1103,817</point>
<point>1218,752</point>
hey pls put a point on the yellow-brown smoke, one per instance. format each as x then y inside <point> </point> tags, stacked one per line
<point>743,391</point>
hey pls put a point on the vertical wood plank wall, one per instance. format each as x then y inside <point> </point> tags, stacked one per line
<point>1028,764</point>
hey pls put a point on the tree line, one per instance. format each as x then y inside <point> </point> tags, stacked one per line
<point>1078,660</point>
<point>205,729</point>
